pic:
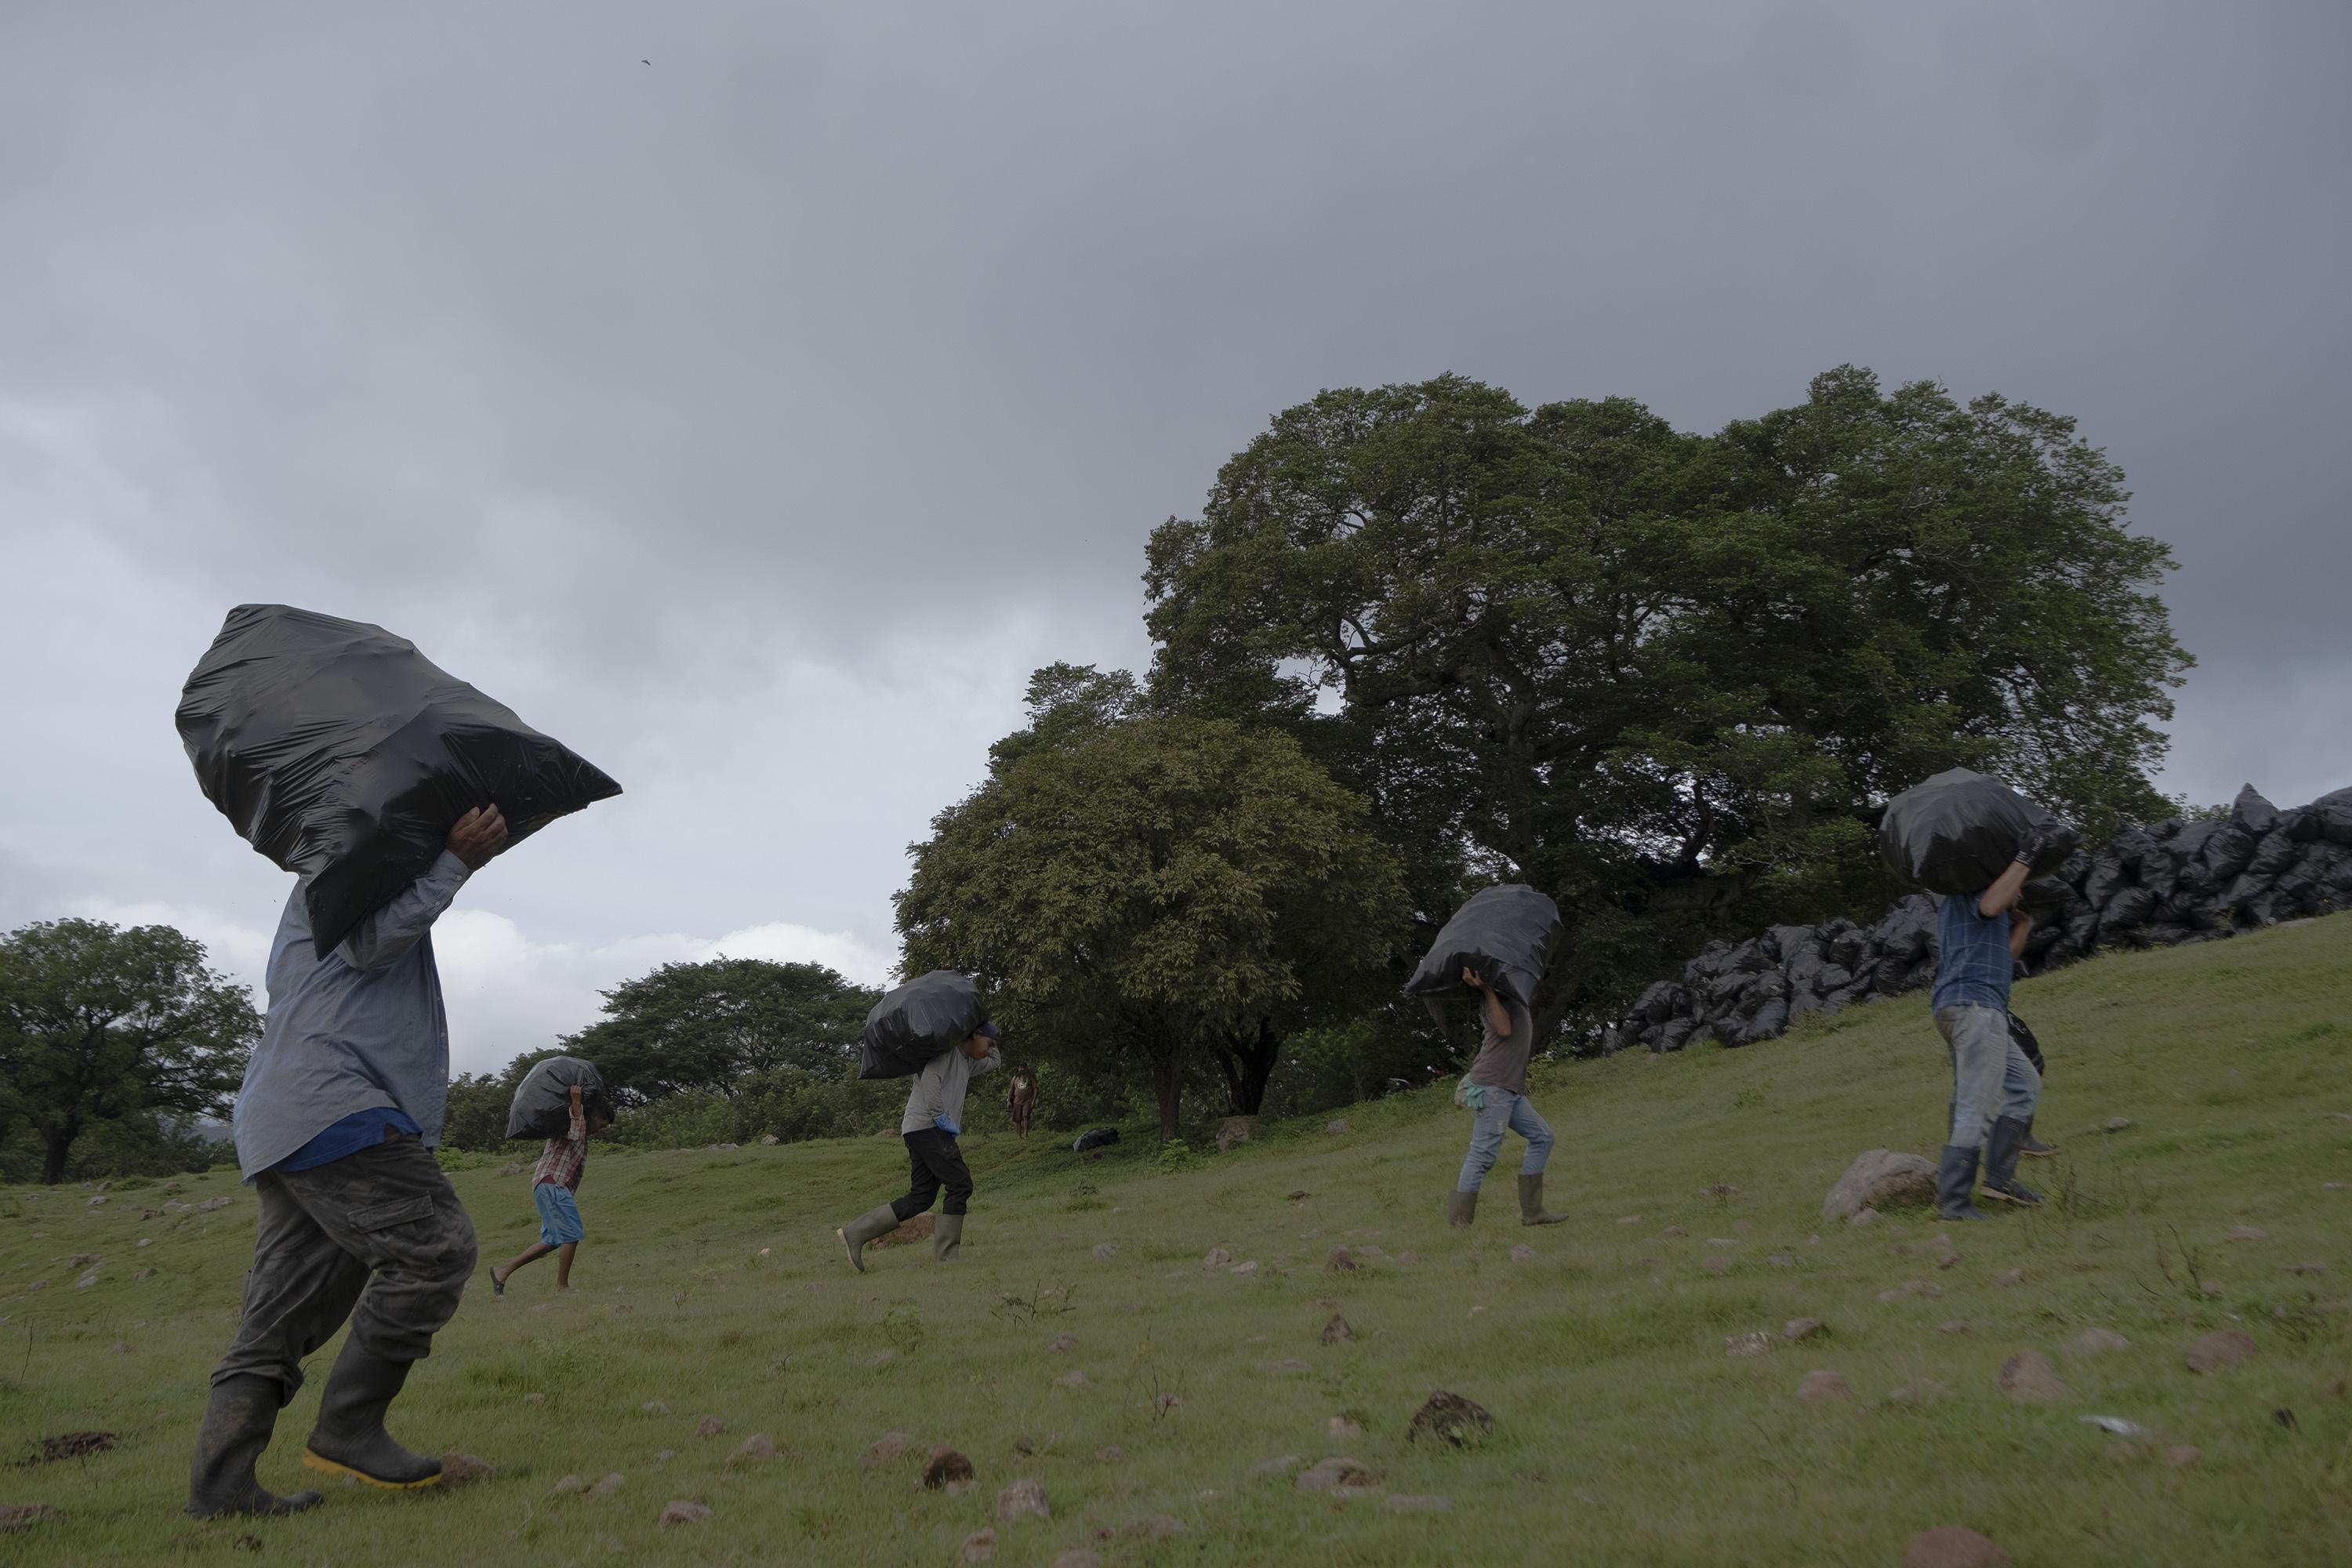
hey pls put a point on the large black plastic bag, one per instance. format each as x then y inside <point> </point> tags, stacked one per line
<point>930,1014</point>
<point>542,1101</point>
<point>1957,832</point>
<point>1503,934</point>
<point>345,755</point>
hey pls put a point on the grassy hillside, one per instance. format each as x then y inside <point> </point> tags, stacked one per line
<point>1624,1433</point>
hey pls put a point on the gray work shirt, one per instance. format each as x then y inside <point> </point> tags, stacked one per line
<point>360,1028</point>
<point>1502,1059</point>
<point>938,1092</point>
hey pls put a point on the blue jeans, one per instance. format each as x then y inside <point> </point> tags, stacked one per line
<point>1503,1110</point>
<point>1990,1076</point>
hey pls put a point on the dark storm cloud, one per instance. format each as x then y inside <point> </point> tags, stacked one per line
<point>756,417</point>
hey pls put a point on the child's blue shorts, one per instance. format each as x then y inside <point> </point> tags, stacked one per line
<point>559,1217</point>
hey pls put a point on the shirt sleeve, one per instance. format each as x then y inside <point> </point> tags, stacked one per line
<point>988,1063</point>
<point>381,939</point>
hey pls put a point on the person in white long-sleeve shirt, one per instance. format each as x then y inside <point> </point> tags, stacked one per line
<point>933,1122</point>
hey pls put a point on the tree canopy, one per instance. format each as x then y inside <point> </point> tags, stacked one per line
<point>102,1026</point>
<point>709,1026</point>
<point>1178,894</point>
<point>1670,679</point>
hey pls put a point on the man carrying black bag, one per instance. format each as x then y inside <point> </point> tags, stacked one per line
<point>1995,1088</point>
<point>335,1128</point>
<point>933,1122</point>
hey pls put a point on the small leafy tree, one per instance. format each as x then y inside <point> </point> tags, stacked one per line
<point>709,1026</point>
<point>1178,894</point>
<point>103,1026</point>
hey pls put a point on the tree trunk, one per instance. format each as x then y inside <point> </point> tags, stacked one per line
<point>1168,1083</point>
<point>1247,1061</point>
<point>55,1146</point>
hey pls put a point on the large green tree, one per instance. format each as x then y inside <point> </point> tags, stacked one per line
<point>103,1026</point>
<point>1175,895</point>
<point>709,1026</point>
<point>1670,677</point>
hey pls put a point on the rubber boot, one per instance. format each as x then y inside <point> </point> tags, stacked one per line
<point>2032,1147</point>
<point>237,1423</point>
<point>2002,1146</point>
<point>947,1240</point>
<point>1955,1180</point>
<point>861,1232</point>
<point>1531,1209</point>
<point>349,1438</point>
<point>1461,1209</point>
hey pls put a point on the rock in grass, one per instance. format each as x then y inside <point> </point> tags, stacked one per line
<point>2303,1268</point>
<point>1523,1253</point>
<point>1822,1386</point>
<point>709,1427</point>
<point>1336,1331</point>
<point>1071,1379</point>
<point>756,1449</point>
<point>1451,1419</point>
<point>886,1448</point>
<point>1880,1178</point>
<point>1063,1343</point>
<point>1104,1251</point>
<point>1218,1258</point>
<point>1716,1263</point>
<point>1953,1326</point>
<point>1341,1478</point>
<point>2009,1277</point>
<point>684,1510</point>
<point>655,1408</point>
<point>2096,1341</point>
<point>1952,1546</point>
<point>949,1471</point>
<point>463,1470</point>
<point>2028,1375</point>
<point>608,1486</point>
<point>19,1517</point>
<point>1337,1127</point>
<point>980,1546</point>
<point>2224,1349</point>
<point>1756,1343</point>
<point>1340,1426</point>
<point>1803,1329</point>
<point>1340,1261</point>
<point>570,1485</point>
<point>1023,1500</point>
<point>1111,1454</point>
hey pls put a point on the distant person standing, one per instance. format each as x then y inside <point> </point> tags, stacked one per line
<point>1979,938</point>
<point>554,1191</point>
<point>933,1122</point>
<point>1021,1100</point>
<point>1496,1092</point>
<point>335,1128</point>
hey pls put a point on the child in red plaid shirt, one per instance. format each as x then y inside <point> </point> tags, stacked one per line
<point>553,1180</point>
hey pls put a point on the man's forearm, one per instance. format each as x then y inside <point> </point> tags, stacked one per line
<point>386,934</point>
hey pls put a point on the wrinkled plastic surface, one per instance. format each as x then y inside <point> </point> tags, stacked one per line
<point>1503,934</point>
<point>2026,1042</point>
<point>1094,1138</point>
<point>542,1101</point>
<point>1959,831</point>
<point>930,1014</point>
<point>345,755</point>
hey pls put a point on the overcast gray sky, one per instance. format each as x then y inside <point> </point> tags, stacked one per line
<point>752,395</point>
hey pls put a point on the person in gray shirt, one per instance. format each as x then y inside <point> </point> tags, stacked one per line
<point>933,1122</point>
<point>1494,1090</point>
<point>335,1128</point>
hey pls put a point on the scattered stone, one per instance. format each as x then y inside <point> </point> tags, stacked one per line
<point>1105,1251</point>
<point>709,1427</point>
<point>1408,1259</point>
<point>2248,1233</point>
<point>608,1486</point>
<point>1283,1368</point>
<point>1475,1310</point>
<point>19,1517</point>
<point>2116,1425</point>
<point>1336,1331</point>
<point>1341,1428</point>
<point>885,1448</point>
<point>73,1446</point>
<point>210,1203</point>
<point>534,1399</point>
<point>2118,1124</point>
<point>1754,1344</point>
<point>2223,1350</point>
<point>144,1274</point>
<point>2094,1342</point>
<point>1822,1386</point>
<point>1716,1263</point>
<point>1023,1500</point>
<point>36,1284</point>
<point>1280,1465</point>
<point>570,1485</point>
<point>1952,1546</point>
<point>1243,1270</point>
<point>1782,1260</point>
<point>1953,1326</point>
<point>683,1511</point>
<point>1071,1379</point>
<point>2009,1277</point>
<point>1295,1196</point>
<point>2028,1375</point>
<point>1340,1261</point>
<point>87,1280</point>
<point>655,1408</point>
<point>1063,1343</point>
<point>947,1471</point>
<point>463,1470</point>
<point>1880,1178</point>
<point>1523,1253</point>
<point>1336,1127</point>
<point>1630,1219</point>
<point>1451,1419</point>
<point>664,1456</point>
<point>756,1449</point>
<point>1407,1503</point>
<point>1803,1329</point>
<point>84,1259</point>
<point>1218,1258</point>
<point>770,1141</point>
<point>980,1546</point>
<point>2183,1455</point>
<point>1867,1217</point>
<point>1340,1477</point>
<point>1369,1252</point>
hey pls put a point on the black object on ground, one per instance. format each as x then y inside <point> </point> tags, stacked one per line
<point>542,1101</point>
<point>930,1014</point>
<point>1504,933</point>
<point>1095,1137</point>
<point>345,755</point>
<point>1959,831</point>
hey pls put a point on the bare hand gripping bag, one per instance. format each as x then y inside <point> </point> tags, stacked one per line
<point>542,1101</point>
<point>1504,933</point>
<point>930,1014</point>
<point>345,755</point>
<point>1957,832</point>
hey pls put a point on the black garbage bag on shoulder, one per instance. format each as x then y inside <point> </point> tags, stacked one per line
<point>1094,1138</point>
<point>930,1014</point>
<point>1959,831</point>
<point>345,755</point>
<point>1502,933</point>
<point>542,1101</point>
<point>2025,1042</point>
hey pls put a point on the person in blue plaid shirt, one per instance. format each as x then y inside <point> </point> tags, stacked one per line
<point>1979,938</point>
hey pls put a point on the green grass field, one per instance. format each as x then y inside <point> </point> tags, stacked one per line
<point>1624,1432</point>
